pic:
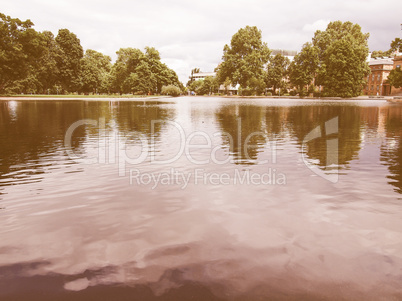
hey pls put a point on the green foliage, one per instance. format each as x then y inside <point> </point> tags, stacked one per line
<point>245,58</point>
<point>20,49</point>
<point>205,86</point>
<point>47,73</point>
<point>247,91</point>
<point>171,90</point>
<point>227,84</point>
<point>193,71</point>
<point>95,69</point>
<point>68,59</point>
<point>342,51</point>
<point>396,45</point>
<point>381,53</point>
<point>395,78</point>
<point>257,85</point>
<point>141,73</point>
<point>277,71</point>
<point>211,85</point>
<point>196,85</point>
<point>37,62</point>
<point>304,67</point>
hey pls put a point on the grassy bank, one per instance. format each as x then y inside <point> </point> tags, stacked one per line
<point>79,96</point>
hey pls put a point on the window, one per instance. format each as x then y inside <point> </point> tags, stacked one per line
<point>378,88</point>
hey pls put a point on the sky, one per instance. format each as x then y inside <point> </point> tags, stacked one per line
<point>192,34</point>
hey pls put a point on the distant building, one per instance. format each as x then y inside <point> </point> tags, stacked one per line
<point>377,79</point>
<point>203,75</point>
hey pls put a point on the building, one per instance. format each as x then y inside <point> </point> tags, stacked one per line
<point>397,65</point>
<point>202,75</point>
<point>377,79</point>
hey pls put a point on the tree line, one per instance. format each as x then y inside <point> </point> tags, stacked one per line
<point>38,62</point>
<point>334,63</point>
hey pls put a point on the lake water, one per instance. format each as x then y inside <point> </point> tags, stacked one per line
<point>200,199</point>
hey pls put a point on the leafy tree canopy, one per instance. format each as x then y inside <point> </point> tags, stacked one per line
<point>20,49</point>
<point>32,62</point>
<point>395,78</point>
<point>68,59</point>
<point>277,71</point>
<point>141,73</point>
<point>304,67</point>
<point>245,58</point>
<point>395,46</point>
<point>342,53</point>
<point>95,69</point>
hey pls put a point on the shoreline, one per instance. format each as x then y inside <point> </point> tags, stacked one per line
<point>83,98</point>
<point>392,99</point>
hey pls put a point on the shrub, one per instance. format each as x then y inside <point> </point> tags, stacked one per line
<point>247,91</point>
<point>171,90</point>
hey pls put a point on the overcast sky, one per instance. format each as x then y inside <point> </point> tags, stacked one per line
<point>190,34</point>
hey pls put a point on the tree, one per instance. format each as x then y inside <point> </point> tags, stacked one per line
<point>145,80</point>
<point>95,69</point>
<point>396,45</point>
<point>342,51</point>
<point>171,90</point>
<point>277,71</point>
<point>33,62</point>
<point>380,53</point>
<point>210,85</point>
<point>395,78</point>
<point>127,61</point>
<point>245,58</point>
<point>69,59</point>
<point>196,86</point>
<point>167,76</point>
<point>48,72</point>
<point>304,67</point>
<point>20,49</point>
<point>141,73</point>
<point>227,84</point>
<point>205,86</point>
<point>157,69</point>
<point>193,71</point>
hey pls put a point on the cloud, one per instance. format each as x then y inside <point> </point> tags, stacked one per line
<point>192,34</point>
<point>317,25</point>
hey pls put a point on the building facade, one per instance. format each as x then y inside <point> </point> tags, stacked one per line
<point>377,79</point>
<point>202,75</point>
